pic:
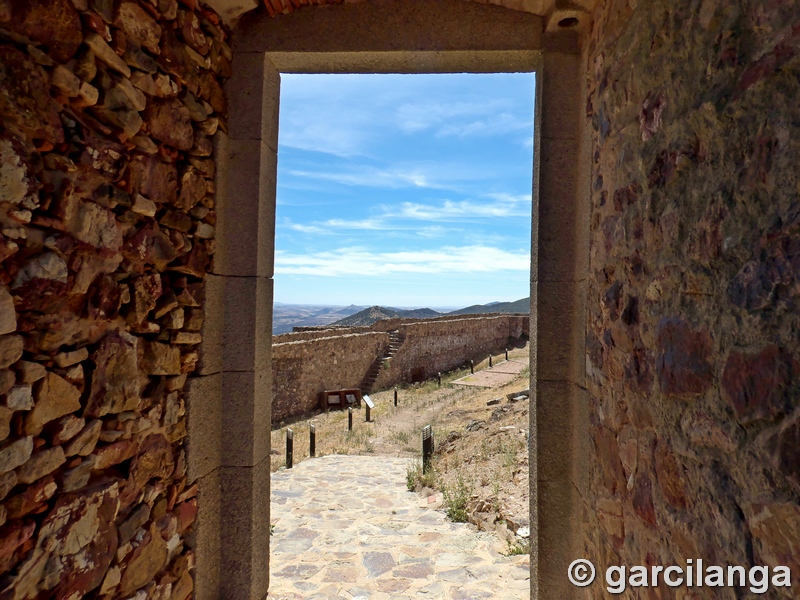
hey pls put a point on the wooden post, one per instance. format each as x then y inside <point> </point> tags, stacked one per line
<point>471,367</point>
<point>349,418</point>
<point>312,443</point>
<point>439,378</point>
<point>395,395</point>
<point>490,361</point>
<point>506,353</point>
<point>427,448</point>
<point>289,448</point>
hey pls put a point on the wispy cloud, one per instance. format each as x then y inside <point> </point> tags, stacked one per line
<point>366,176</point>
<point>462,119</point>
<point>361,261</point>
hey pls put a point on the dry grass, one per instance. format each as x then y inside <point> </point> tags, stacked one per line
<point>490,463</point>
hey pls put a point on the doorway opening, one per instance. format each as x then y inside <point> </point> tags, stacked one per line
<point>403,220</point>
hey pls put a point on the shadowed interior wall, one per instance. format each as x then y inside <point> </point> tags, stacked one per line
<point>107,220</point>
<point>693,320</point>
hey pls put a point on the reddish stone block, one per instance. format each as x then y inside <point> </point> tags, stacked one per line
<point>12,536</point>
<point>26,107</point>
<point>153,179</point>
<point>54,23</point>
<point>755,385</point>
<point>186,513</point>
<point>642,498</point>
<point>670,477</point>
<point>607,450</point>
<point>169,122</point>
<point>682,363</point>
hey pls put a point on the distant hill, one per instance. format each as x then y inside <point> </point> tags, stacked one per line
<point>287,316</point>
<point>518,306</point>
<point>372,314</point>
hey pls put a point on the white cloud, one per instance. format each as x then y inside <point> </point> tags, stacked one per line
<point>365,176</point>
<point>462,119</point>
<point>360,261</point>
<point>464,209</point>
<point>305,228</point>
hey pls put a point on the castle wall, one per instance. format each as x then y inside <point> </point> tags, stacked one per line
<point>309,362</point>
<point>107,225</point>
<point>693,320</point>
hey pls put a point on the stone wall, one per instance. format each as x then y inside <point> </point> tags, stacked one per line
<point>107,109</point>
<point>439,345</point>
<point>693,320</point>
<point>303,369</point>
<point>309,362</point>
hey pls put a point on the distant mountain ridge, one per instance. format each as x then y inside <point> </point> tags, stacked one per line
<point>523,305</point>
<point>370,315</point>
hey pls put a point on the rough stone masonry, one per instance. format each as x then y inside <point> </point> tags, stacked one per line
<point>693,313</point>
<point>107,218</point>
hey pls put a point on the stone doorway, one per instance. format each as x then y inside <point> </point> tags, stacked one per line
<point>229,403</point>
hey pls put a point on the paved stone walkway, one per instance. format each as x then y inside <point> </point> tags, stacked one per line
<point>497,376</point>
<point>346,527</point>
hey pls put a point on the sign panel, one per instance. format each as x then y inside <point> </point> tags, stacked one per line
<point>369,401</point>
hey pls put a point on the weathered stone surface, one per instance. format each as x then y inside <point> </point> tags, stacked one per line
<point>40,464</point>
<point>105,54</point>
<point>138,517</point>
<point>65,81</point>
<point>150,245</point>
<point>115,380</point>
<point>776,531</point>
<point>15,454</point>
<point>683,358</point>
<point>169,121</point>
<point>65,429</point>
<point>18,184</point>
<point>67,359</point>
<point>642,499</point>
<point>31,499</point>
<point>55,397</point>
<point>7,483</point>
<point>78,476</point>
<point>48,266</point>
<point>755,385</point>
<point>193,188</point>
<point>159,359</point>
<point>138,26</point>
<point>7,379</point>
<point>26,107</point>
<point>19,397</point>
<point>29,372</point>
<point>84,442</point>
<point>8,315</point>
<point>5,422</point>
<point>670,477</point>
<point>54,23</point>
<point>145,561</point>
<point>118,110</point>
<point>153,179</point>
<point>113,454</point>
<point>10,350</point>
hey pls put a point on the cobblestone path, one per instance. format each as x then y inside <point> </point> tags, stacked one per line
<point>346,527</point>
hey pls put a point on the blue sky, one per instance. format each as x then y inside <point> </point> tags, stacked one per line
<point>404,190</point>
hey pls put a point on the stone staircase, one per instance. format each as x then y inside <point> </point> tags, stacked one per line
<point>395,341</point>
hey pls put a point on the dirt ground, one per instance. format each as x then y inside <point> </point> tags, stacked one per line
<point>481,455</point>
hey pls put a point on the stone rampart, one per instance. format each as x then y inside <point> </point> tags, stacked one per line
<point>302,369</point>
<point>106,231</point>
<point>308,362</point>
